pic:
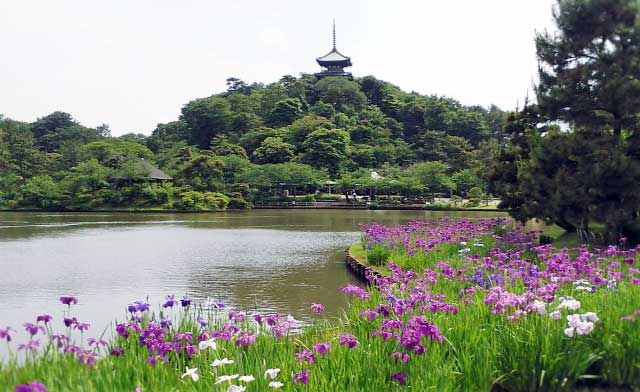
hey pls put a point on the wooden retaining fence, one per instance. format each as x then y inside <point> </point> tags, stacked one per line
<point>359,269</point>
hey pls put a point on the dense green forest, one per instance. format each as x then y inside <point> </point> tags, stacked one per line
<point>251,143</point>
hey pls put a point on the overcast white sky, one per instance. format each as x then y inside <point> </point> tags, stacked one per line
<point>133,64</point>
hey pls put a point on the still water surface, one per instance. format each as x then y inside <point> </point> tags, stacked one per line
<point>261,260</point>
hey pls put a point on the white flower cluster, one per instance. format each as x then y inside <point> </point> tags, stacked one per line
<point>268,374</point>
<point>539,307</point>
<point>584,285</point>
<point>568,303</point>
<point>580,324</point>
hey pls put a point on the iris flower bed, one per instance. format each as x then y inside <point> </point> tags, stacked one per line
<point>471,306</point>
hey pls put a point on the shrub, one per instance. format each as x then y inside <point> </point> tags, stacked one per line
<point>215,200</point>
<point>439,206</point>
<point>378,255</point>
<point>237,202</point>
<point>455,200</point>
<point>241,188</point>
<point>475,196</point>
<point>190,200</point>
<point>328,197</point>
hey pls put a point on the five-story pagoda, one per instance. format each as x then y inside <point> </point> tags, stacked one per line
<point>334,62</point>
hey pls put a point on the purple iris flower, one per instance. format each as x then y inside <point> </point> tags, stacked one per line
<point>236,316</point>
<point>33,329</point>
<point>186,336</point>
<point>82,326</point>
<point>322,348</point>
<point>32,387</point>
<point>61,340</point>
<point>245,339</point>
<point>165,323</point>
<point>45,318</point>
<point>4,334</point>
<point>356,291</point>
<point>32,346</point>
<point>203,323</point>
<point>258,318</point>
<point>117,352</point>
<point>348,340</point>
<point>301,378</point>
<point>400,378</point>
<point>191,350</point>
<point>73,349</point>
<point>70,321</point>
<point>369,314</point>
<point>96,342</point>
<point>138,306</point>
<point>403,357</point>
<point>306,355</point>
<point>171,301</point>
<point>69,300</point>
<point>88,357</point>
<point>317,308</point>
<point>121,329</point>
<point>185,301</point>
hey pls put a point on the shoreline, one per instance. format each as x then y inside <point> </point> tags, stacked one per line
<point>173,211</point>
<point>358,267</point>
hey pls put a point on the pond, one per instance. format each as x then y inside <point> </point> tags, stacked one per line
<point>260,260</point>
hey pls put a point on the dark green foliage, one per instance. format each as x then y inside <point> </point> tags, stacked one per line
<point>114,152</point>
<point>590,69</point>
<point>434,176</point>
<point>321,129</point>
<point>206,118</point>
<point>285,112</point>
<point>298,131</point>
<point>273,150</point>
<point>343,94</point>
<point>166,135</point>
<point>197,201</point>
<point>378,255</point>
<point>326,148</point>
<point>322,109</point>
<point>202,173</point>
<point>221,146</point>
<point>588,173</point>
<point>40,192</point>
<point>237,202</point>
<point>465,180</point>
<point>253,139</point>
<point>52,131</point>
<point>475,196</point>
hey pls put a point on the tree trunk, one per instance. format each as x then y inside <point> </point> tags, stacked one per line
<point>565,225</point>
<point>617,126</point>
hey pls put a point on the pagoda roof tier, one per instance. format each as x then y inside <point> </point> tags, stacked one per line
<point>334,58</point>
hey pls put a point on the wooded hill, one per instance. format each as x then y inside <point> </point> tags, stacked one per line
<point>235,147</point>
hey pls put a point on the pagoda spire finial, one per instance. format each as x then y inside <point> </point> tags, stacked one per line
<point>334,34</point>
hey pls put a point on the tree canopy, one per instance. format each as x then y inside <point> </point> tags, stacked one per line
<point>572,158</point>
<point>245,142</point>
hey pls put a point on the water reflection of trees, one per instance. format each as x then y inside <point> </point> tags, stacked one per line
<point>24,225</point>
<point>287,290</point>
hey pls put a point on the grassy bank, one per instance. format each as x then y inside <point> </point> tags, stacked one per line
<point>486,309</point>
